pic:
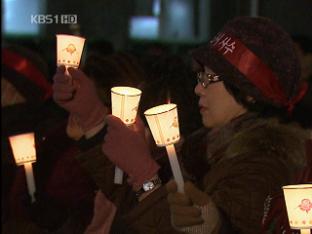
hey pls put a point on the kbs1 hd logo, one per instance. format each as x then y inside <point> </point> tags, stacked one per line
<point>53,19</point>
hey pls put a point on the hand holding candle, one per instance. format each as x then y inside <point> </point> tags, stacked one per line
<point>125,102</point>
<point>80,99</point>
<point>164,124</point>
<point>127,148</point>
<point>24,151</point>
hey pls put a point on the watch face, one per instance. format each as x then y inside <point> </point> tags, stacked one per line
<point>148,186</point>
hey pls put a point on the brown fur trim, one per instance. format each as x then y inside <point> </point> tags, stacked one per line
<point>273,139</point>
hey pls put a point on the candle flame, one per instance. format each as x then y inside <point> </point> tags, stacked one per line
<point>168,101</point>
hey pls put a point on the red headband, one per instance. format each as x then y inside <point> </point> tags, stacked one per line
<point>257,72</point>
<point>27,69</point>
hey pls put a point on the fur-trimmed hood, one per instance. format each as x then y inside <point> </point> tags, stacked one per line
<point>247,135</point>
<point>273,138</point>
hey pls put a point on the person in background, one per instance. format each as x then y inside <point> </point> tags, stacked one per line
<point>170,76</point>
<point>64,193</point>
<point>303,45</point>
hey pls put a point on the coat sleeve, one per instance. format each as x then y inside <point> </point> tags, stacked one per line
<point>239,188</point>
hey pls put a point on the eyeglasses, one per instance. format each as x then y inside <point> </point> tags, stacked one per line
<point>206,79</point>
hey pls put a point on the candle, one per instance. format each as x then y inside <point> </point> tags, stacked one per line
<point>298,200</point>
<point>125,102</point>
<point>30,180</point>
<point>164,124</point>
<point>175,167</point>
<point>69,50</point>
<point>24,152</point>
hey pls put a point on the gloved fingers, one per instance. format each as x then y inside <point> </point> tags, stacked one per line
<point>78,75</point>
<point>60,69</point>
<point>62,87</point>
<point>178,199</point>
<point>111,139</point>
<point>61,79</point>
<point>62,92</point>
<point>139,126</point>
<point>114,123</point>
<point>189,211</point>
<point>171,186</point>
<point>62,96</point>
<point>197,196</point>
<point>182,221</point>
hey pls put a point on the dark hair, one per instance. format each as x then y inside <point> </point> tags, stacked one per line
<point>302,112</point>
<point>118,69</point>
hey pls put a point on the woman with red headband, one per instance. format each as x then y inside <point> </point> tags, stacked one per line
<point>251,144</point>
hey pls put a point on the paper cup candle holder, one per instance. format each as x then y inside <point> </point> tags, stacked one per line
<point>125,102</point>
<point>164,124</point>
<point>69,50</point>
<point>298,200</point>
<point>24,152</point>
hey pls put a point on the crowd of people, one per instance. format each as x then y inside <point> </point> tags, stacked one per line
<point>245,117</point>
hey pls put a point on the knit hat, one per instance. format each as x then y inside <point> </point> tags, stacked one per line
<point>27,72</point>
<point>258,57</point>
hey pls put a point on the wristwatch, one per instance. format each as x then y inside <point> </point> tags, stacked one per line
<point>148,185</point>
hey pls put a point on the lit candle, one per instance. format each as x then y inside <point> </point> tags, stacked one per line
<point>164,124</point>
<point>125,102</point>
<point>30,180</point>
<point>24,152</point>
<point>69,50</point>
<point>175,167</point>
<point>298,200</point>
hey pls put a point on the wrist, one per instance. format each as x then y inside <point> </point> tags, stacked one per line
<point>148,171</point>
<point>148,186</point>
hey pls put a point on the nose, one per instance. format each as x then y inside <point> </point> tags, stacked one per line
<point>199,89</point>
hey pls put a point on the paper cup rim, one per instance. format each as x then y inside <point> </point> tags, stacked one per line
<point>24,162</point>
<point>62,34</point>
<point>149,114</point>
<point>297,186</point>
<point>128,87</point>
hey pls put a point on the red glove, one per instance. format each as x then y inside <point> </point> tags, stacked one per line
<point>126,148</point>
<point>78,97</point>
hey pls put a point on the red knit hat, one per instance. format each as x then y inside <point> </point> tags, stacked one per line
<point>258,57</point>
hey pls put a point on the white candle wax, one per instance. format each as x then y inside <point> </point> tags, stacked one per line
<point>175,167</point>
<point>30,180</point>
<point>118,176</point>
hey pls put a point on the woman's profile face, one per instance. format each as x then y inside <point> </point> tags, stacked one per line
<point>217,106</point>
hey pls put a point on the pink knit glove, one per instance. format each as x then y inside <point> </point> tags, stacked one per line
<point>78,97</point>
<point>104,213</point>
<point>126,148</point>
